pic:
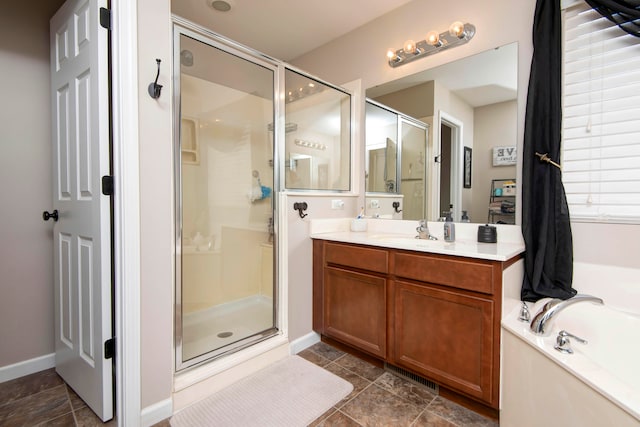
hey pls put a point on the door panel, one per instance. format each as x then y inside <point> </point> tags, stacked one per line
<point>82,243</point>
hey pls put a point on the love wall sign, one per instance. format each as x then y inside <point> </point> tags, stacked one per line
<point>504,156</point>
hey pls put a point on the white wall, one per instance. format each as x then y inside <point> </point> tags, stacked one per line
<point>156,203</point>
<point>26,253</point>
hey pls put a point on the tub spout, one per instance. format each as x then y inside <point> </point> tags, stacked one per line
<point>541,323</point>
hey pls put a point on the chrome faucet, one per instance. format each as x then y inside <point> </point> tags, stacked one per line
<point>423,231</point>
<point>541,323</point>
<point>563,345</point>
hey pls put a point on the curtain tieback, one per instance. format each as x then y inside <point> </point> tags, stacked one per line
<point>545,158</point>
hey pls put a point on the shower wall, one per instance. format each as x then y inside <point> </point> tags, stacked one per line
<point>214,277</point>
<point>223,225</point>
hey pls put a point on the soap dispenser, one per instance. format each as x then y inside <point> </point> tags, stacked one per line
<point>449,229</point>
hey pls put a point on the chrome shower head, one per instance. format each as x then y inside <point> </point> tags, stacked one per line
<point>186,58</point>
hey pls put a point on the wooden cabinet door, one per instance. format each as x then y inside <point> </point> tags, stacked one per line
<point>355,309</point>
<point>446,336</point>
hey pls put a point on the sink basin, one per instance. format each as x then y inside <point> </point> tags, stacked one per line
<point>404,239</point>
<point>390,237</point>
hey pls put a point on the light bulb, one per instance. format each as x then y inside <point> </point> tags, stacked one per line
<point>409,46</point>
<point>457,29</point>
<point>433,38</point>
<point>391,54</point>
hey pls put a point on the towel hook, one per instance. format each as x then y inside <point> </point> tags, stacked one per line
<point>300,207</point>
<point>154,87</point>
<point>396,207</point>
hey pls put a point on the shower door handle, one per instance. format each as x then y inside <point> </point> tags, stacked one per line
<point>46,215</point>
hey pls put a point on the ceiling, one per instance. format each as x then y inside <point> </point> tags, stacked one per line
<point>284,29</point>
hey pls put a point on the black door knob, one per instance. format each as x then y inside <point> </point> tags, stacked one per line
<point>46,215</point>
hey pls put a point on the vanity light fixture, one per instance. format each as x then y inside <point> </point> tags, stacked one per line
<point>310,144</point>
<point>457,34</point>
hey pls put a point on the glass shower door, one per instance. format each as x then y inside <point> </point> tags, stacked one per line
<point>413,137</point>
<point>225,289</point>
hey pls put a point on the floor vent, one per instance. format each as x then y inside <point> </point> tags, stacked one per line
<point>410,376</point>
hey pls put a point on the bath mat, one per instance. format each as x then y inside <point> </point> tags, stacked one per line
<point>291,392</point>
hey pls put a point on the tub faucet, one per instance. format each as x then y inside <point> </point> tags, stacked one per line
<point>423,231</point>
<point>541,323</point>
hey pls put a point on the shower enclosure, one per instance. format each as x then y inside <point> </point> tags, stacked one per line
<point>237,113</point>
<point>226,293</point>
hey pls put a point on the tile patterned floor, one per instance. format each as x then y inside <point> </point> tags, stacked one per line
<point>379,398</point>
<point>43,399</point>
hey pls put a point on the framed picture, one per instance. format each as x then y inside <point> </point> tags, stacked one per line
<point>466,177</point>
<point>504,156</point>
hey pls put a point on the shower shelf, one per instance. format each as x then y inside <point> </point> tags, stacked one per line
<point>189,146</point>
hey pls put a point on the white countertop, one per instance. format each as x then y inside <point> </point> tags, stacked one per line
<point>400,234</point>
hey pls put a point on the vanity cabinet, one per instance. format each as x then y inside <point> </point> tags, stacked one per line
<point>435,315</point>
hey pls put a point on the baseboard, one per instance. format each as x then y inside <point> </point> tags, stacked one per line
<point>296,346</point>
<point>27,367</point>
<point>157,412</point>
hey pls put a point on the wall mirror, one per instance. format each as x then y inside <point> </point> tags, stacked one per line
<point>472,103</point>
<point>317,135</point>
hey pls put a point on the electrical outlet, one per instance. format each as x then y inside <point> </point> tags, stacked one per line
<point>337,204</point>
<point>374,204</point>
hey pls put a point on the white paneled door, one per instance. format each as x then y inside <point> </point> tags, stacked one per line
<point>82,230</point>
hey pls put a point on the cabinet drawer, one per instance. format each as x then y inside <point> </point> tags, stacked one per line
<point>458,273</point>
<point>357,257</point>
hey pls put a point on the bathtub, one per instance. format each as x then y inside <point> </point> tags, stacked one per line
<point>597,385</point>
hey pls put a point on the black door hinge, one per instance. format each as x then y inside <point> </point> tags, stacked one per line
<point>105,18</point>
<point>110,348</point>
<point>107,185</point>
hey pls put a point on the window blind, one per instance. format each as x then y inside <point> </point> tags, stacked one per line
<point>601,118</point>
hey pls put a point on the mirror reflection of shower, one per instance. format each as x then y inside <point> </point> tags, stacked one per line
<point>224,191</point>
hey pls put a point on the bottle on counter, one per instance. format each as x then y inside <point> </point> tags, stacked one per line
<point>465,217</point>
<point>449,229</point>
